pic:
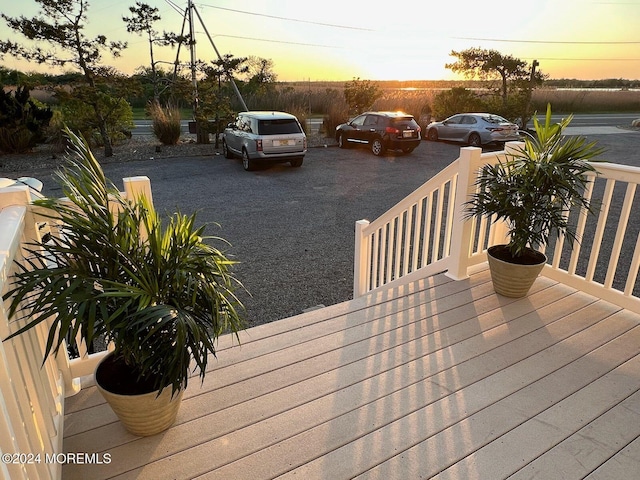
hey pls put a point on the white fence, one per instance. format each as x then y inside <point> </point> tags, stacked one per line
<point>32,392</point>
<point>428,232</point>
<point>425,233</point>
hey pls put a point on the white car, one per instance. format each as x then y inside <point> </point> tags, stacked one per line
<point>265,136</point>
<point>474,129</point>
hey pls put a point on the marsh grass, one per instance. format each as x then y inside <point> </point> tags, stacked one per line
<point>416,98</point>
<point>166,123</point>
<point>415,102</point>
<point>587,101</point>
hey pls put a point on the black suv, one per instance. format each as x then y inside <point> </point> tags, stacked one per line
<point>380,131</point>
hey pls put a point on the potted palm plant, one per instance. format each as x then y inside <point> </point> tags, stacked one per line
<point>533,191</point>
<point>161,295</point>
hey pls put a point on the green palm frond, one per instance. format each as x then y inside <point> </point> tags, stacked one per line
<point>161,293</point>
<point>536,187</point>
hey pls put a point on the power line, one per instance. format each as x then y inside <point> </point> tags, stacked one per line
<point>347,27</point>
<point>277,41</point>
<point>545,41</point>
<point>175,7</point>
<point>590,59</point>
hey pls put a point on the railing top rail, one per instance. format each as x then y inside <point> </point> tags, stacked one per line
<point>446,174</point>
<point>617,171</point>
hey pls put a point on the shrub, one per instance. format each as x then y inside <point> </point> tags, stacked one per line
<point>22,121</point>
<point>360,95</point>
<point>166,122</point>
<point>55,133</point>
<point>16,140</point>
<point>337,113</point>
<point>80,116</point>
<point>456,100</point>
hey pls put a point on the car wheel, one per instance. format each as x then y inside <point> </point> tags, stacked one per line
<point>377,147</point>
<point>225,150</point>
<point>474,140</point>
<point>296,163</point>
<point>247,164</point>
<point>341,141</point>
<point>432,135</point>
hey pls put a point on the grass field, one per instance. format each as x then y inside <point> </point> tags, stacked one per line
<point>326,99</point>
<point>413,97</point>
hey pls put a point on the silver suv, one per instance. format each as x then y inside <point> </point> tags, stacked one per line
<point>265,136</point>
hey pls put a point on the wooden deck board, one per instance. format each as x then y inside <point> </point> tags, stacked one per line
<point>449,379</point>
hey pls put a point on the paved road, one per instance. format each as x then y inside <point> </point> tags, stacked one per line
<point>598,124</point>
<point>598,119</point>
<point>143,127</point>
<point>293,229</point>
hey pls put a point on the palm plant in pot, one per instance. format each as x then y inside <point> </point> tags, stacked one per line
<point>161,295</point>
<point>533,191</point>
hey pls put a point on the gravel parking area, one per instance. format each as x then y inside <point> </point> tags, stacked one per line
<point>291,229</point>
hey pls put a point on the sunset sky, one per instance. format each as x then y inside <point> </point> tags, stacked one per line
<point>339,40</point>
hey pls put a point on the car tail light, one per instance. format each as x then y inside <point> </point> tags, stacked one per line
<point>392,130</point>
<point>304,143</point>
<point>495,129</point>
<point>259,145</point>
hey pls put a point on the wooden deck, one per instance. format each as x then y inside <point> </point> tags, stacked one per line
<point>450,381</point>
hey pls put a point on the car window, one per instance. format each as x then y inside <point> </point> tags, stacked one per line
<point>243,124</point>
<point>408,121</point>
<point>371,120</point>
<point>358,121</point>
<point>495,119</point>
<point>468,120</point>
<point>454,120</point>
<point>278,126</point>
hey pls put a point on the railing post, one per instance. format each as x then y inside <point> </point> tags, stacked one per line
<point>360,257</point>
<point>461,237</point>
<point>14,196</point>
<point>136,187</point>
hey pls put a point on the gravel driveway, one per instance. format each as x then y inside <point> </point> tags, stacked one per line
<point>292,229</point>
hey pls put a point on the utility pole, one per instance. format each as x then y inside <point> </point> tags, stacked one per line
<point>192,48</point>
<point>527,108</point>
<point>202,125</point>
<point>533,72</point>
<point>233,83</point>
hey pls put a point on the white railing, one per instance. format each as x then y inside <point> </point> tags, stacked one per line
<point>428,232</point>
<point>32,392</point>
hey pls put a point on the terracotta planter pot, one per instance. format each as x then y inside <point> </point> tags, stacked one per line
<point>513,279</point>
<point>142,414</point>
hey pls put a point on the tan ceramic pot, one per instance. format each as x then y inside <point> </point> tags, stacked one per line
<point>512,279</point>
<point>143,414</point>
